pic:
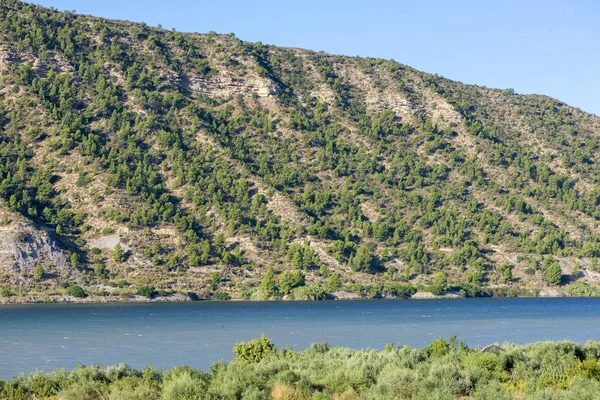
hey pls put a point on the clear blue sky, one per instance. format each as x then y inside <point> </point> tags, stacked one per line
<point>545,47</point>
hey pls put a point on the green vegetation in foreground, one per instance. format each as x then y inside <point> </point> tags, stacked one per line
<point>443,370</point>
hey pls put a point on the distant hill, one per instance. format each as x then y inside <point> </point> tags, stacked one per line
<point>139,160</point>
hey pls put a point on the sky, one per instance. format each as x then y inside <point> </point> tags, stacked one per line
<point>544,47</point>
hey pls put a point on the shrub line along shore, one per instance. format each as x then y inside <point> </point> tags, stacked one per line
<point>446,369</point>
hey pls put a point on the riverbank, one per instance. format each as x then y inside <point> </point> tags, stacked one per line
<point>182,297</point>
<point>445,369</point>
<point>41,299</point>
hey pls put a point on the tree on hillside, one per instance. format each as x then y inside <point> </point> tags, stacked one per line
<point>267,286</point>
<point>38,272</point>
<point>289,280</point>
<point>554,274</point>
<point>505,272</point>
<point>439,283</point>
<point>334,283</point>
<point>119,254</point>
<point>215,278</point>
<point>74,260</point>
<point>362,261</point>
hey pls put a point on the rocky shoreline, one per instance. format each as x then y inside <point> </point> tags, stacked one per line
<point>180,298</point>
<point>39,299</point>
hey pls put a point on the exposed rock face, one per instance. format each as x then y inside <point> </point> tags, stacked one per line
<point>429,295</point>
<point>106,242</point>
<point>53,61</point>
<point>345,296</point>
<point>551,293</point>
<point>22,247</point>
<point>7,57</point>
<point>178,297</point>
<point>224,86</point>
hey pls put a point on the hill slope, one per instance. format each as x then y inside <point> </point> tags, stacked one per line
<point>132,156</point>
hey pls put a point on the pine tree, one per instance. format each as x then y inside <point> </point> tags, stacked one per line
<point>289,280</point>
<point>554,274</point>
<point>119,254</point>
<point>267,286</point>
<point>215,278</point>
<point>362,260</point>
<point>74,260</point>
<point>505,272</point>
<point>297,259</point>
<point>38,272</point>
<point>334,283</point>
<point>439,283</point>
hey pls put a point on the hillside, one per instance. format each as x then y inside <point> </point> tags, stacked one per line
<point>141,160</point>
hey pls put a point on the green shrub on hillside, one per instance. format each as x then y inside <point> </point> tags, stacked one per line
<point>8,291</point>
<point>222,296</point>
<point>76,291</point>
<point>146,291</point>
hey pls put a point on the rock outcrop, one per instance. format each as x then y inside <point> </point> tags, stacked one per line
<point>23,247</point>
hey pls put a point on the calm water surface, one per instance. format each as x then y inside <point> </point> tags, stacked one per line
<point>48,336</point>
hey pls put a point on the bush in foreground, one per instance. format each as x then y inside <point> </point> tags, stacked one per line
<point>442,370</point>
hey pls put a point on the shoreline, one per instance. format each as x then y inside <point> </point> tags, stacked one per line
<point>182,298</point>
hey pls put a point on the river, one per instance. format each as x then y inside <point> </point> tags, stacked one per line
<point>49,336</point>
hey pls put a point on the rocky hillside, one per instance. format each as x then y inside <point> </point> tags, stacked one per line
<point>140,160</point>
